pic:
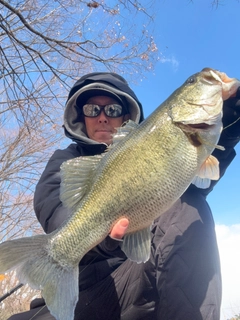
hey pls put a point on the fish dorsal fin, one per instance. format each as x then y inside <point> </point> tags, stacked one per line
<point>76,179</point>
<point>126,128</point>
<point>208,171</point>
<point>137,245</point>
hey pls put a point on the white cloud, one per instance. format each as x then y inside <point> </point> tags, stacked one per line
<point>174,62</point>
<point>229,248</point>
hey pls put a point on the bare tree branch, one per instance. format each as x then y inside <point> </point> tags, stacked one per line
<point>44,47</point>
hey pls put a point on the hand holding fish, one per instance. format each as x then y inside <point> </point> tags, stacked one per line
<point>119,229</point>
<point>112,242</point>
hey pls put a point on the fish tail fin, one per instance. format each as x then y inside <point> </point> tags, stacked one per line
<point>35,266</point>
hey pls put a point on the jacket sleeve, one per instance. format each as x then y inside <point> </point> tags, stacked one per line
<point>47,205</point>
<point>187,262</point>
<point>229,138</point>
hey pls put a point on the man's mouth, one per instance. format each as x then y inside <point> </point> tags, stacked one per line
<point>103,130</point>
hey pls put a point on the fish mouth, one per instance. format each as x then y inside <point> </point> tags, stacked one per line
<point>205,125</point>
<point>229,85</point>
<point>201,126</point>
<point>193,131</point>
<point>194,127</point>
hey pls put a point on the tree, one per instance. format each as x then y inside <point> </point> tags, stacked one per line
<point>19,300</point>
<point>44,47</point>
<point>46,44</point>
<point>214,3</point>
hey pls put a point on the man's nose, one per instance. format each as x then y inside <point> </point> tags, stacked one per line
<point>102,117</point>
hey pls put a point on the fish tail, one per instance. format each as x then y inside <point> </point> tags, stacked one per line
<point>35,266</point>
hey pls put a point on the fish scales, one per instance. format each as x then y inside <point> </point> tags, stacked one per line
<point>132,190</point>
<point>145,171</point>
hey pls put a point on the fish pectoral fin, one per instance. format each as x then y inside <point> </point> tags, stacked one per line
<point>76,179</point>
<point>122,132</point>
<point>34,265</point>
<point>210,168</point>
<point>137,245</point>
<point>208,171</point>
<point>202,183</point>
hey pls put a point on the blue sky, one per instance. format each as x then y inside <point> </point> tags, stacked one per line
<point>191,36</point>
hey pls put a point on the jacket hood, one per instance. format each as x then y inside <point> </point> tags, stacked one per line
<point>92,84</point>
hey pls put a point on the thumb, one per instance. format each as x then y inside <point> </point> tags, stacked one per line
<point>119,229</point>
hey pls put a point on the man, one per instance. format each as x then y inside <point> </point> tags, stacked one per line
<point>181,280</point>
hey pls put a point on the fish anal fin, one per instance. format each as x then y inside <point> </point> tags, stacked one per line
<point>137,245</point>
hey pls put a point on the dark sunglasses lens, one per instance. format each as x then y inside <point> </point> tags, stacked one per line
<point>91,110</point>
<point>113,110</point>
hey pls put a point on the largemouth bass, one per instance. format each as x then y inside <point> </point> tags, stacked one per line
<point>147,168</point>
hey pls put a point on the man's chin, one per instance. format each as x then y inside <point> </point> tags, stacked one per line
<point>104,138</point>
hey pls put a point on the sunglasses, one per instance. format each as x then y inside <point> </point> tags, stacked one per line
<point>110,110</point>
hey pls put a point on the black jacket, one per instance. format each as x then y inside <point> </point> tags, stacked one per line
<point>181,280</point>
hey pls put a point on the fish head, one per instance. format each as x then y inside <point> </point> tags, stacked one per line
<point>200,99</point>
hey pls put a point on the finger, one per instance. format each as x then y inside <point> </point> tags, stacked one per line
<point>119,229</point>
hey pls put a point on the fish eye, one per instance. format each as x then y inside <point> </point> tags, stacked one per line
<point>190,80</point>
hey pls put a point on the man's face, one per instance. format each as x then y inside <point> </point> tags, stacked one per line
<point>102,127</point>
